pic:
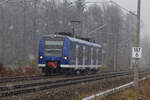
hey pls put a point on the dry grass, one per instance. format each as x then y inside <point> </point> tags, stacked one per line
<point>26,69</point>
<point>143,93</point>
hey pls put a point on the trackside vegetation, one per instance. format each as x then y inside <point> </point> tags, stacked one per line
<point>143,93</point>
<point>26,69</point>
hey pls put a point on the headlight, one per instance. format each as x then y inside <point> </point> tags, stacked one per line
<point>41,57</point>
<point>65,58</point>
<point>55,36</point>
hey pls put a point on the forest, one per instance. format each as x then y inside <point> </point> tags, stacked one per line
<point>23,22</point>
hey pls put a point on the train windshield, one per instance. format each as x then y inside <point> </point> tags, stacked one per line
<point>54,46</point>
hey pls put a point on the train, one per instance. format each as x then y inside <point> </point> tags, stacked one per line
<point>66,54</point>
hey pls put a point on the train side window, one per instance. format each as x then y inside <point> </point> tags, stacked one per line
<point>91,56</point>
<point>80,55</point>
<point>89,53</point>
<point>86,55</point>
<point>77,54</point>
<point>99,57</point>
<point>72,53</point>
<point>94,56</point>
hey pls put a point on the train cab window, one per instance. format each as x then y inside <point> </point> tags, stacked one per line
<point>53,46</point>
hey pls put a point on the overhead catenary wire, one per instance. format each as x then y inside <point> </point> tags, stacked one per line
<point>128,11</point>
<point>111,1</point>
<point>98,28</point>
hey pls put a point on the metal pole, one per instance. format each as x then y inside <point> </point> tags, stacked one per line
<point>73,29</point>
<point>114,59</point>
<point>136,74</point>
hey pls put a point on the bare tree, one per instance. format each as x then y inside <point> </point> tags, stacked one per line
<point>23,22</point>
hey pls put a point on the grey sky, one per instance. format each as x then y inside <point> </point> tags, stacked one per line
<point>145,14</point>
<point>132,5</point>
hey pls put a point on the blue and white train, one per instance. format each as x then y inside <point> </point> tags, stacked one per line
<point>60,53</point>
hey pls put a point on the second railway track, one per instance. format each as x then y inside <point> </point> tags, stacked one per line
<point>6,91</point>
<point>29,78</point>
<point>18,89</point>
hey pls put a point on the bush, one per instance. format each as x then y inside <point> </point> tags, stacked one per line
<point>105,68</point>
<point>27,69</point>
<point>2,70</point>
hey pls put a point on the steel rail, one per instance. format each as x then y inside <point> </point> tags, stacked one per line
<point>29,78</point>
<point>4,88</point>
<point>7,91</point>
<point>29,88</point>
<point>25,78</point>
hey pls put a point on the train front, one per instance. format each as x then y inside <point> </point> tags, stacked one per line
<point>51,53</point>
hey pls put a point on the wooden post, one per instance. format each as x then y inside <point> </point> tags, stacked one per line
<point>136,72</point>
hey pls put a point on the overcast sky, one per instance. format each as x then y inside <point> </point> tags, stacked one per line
<point>132,5</point>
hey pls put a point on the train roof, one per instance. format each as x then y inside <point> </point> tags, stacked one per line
<point>51,35</point>
<point>75,40</point>
<point>83,42</point>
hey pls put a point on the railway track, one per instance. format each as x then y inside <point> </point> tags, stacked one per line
<point>7,91</point>
<point>25,78</point>
<point>15,79</point>
<point>29,78</point>
<point>18,89</point>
